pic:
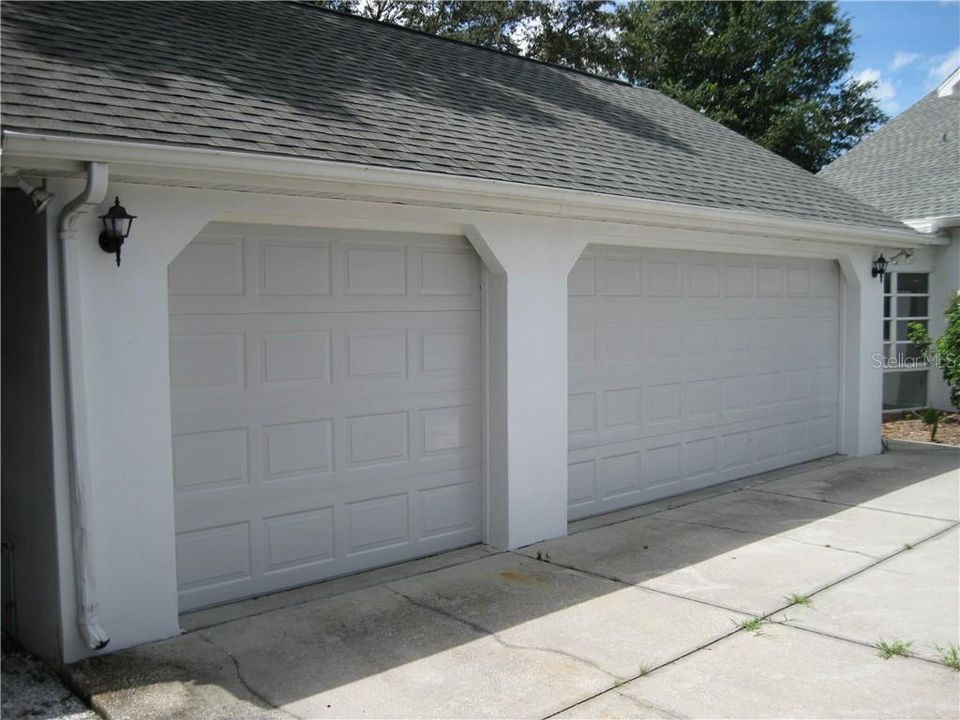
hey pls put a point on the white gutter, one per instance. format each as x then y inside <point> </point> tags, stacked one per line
<point>88,619</point>
<point>145,162</point>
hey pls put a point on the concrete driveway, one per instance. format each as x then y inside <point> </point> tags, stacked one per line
<point>677,609</point>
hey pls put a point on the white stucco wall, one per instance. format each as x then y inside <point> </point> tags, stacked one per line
<point>126,370</point>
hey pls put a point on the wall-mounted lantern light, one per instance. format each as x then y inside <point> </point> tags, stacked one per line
<point>879,267</point>
<point>116,227</point>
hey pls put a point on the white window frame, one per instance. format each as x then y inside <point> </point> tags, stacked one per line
<point>891,341</point>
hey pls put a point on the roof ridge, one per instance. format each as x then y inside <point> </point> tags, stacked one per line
<point>463,43</point>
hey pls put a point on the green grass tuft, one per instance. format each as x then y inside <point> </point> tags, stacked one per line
<point>950,655</point>
<point>803,600</point>
<point>893,648</point>
<point>754,625</point>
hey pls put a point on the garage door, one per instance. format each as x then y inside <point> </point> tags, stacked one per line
<point>690,369</point>
<point>326,404</point>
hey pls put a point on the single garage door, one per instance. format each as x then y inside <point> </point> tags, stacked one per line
<point>690,369</point>
<point>326,404</point>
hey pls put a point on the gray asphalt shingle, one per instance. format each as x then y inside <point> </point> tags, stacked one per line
<point>910,168</point>
<point>290,79</point>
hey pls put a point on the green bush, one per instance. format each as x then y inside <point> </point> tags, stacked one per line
<point>944,352</point>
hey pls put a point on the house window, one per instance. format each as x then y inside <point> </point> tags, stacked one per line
<point>906,299</point>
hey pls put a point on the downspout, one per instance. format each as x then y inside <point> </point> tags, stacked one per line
<point>81,491</point>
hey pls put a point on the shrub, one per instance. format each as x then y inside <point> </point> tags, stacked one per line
<point>945,350</point>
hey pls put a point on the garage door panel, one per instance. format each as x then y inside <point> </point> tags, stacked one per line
<point>688,369</point>
<point>326,404</point>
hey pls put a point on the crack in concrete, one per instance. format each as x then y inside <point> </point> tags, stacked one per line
<point>243,681</point>
<point>506,643</point>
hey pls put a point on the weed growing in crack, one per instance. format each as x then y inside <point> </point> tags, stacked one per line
<point>893,648</point>
<point>543,556</point>
<point>754,625</point>
<point>950,655</point>
<point>802,600</point>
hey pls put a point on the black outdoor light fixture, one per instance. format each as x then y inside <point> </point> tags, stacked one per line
<point>879,267</point>
<point>116,228</point>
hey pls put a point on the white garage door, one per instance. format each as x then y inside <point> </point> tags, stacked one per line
<point>690,369</point>
<point>326,404</point>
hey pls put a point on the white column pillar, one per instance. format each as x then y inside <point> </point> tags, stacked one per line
<point>862,372</point>
<point>526,318</point>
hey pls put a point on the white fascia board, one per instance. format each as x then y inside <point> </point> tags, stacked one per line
<point>932,225</point>
<point>219,169</point>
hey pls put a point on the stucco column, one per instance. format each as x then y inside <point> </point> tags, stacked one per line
<point>525,303</point>
<point>126,413</point>
<point>862,343</point>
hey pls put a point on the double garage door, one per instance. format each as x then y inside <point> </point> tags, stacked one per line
<point>326,404</point>
<point>690,369</point>
<point>326,392</point>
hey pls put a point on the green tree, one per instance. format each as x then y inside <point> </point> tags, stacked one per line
<point>772,71</point>
<point>945,350</point>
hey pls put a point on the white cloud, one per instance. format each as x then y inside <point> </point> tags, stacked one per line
<point>942,65</point>
<point>902,59</point>
<point>884,92</point>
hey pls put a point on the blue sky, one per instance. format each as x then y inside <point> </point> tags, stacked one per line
<point>907,47</point>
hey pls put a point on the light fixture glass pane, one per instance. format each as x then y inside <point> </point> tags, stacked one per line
<point>904,390</point>
<point>912,283</point>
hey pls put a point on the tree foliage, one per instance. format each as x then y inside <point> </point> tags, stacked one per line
<point>775,72</point>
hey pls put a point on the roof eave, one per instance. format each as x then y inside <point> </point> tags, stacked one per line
<point>161,163</point>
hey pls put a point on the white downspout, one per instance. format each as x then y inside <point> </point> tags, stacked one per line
<point>88,619</point>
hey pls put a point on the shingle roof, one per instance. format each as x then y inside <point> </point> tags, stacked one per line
<point>290,79</point>
<point>910,168</point>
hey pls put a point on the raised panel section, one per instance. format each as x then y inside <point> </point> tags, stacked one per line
<point>448,509</point>
<point>703,279</point>
<point>299,539</point>
<point>208,268</point>
<point>663,465</point>
<point>446,351</point>
<point>376,354</point>
<point>621,407</point>
<point>448,272</point>
<point>213,556</point>
<point>294,269</point>
<point>582,412</point>
<point>769,280</point>
<point>619,276</point>
<point>701,456</point>
<point>622,342</point>
<point>207,362</point>
<point>375,270</point>
<point>664,278</point>
<point>210,460</point>
<point>664,402</point>
<point>581,482</point>
<point>377,439</point>
<point>379,523</point>
<point>299,448</point>
<point>737,279</point>
<point>296,357</point>
<point>582,344</point>
<point>449,428</point>
<point>620,474</point>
